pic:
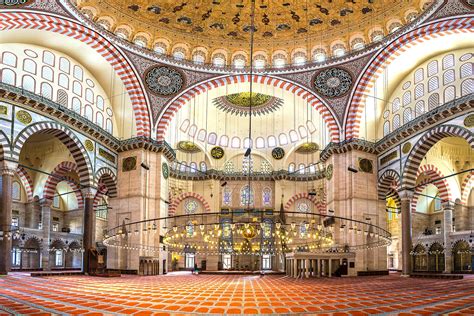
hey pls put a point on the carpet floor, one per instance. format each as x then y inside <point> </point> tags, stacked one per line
<point>186,294</point>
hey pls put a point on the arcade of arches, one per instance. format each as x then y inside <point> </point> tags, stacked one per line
<point>147,138</point>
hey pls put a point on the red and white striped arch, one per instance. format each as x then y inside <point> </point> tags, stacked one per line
<point>26,181</point>
<point>433,173</point>
<point>321,206</point>
<point>390,53</point>
<point>59,174</point>
<point>466,187</point>
<point>177,201</point>
<point>173,107</point>
<point>11,20</point>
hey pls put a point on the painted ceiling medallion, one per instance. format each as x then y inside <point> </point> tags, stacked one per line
<point>165,170</point>
<point>333,82</point>
<point>329,172</point>
<point>164,80</point>
<point>23,117</point>
<point>278,153</point>
<point>188,147</point>
<point>239,103</point>
<point>217,152</point>
<point>307,148</point>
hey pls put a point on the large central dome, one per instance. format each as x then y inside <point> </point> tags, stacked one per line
<point>285,27</point>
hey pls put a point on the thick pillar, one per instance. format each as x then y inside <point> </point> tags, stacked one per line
<point>46,227</point>
<point>8,170</point>
<point>447,230</point>
<point>295,268</point>
<point>330,267</point>
<point>307,266</point>
<point>405,197</point>
<point>88,231</point>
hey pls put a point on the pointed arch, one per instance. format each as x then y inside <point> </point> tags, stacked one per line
<point>108,178</point>
<point>10,20</point>
<point>466,187</point>
<point>389,184</point>
<point>311,98</point>
<point>425,143</point>
<point>26,181</point>
<point>59,174</point>
<point>434,174</point>
<point>353,116</point>
<point>67,137</point>
<point>176,201</point>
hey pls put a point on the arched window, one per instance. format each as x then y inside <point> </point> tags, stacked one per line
<point>449,94</point>
<point>303,132</point>
<point>28,83</point>
<point>312,168</point>
<point>76,105</point>
<point>192,130</point>
<point>47,73</point>
<point>184,126</point>
<point>247,165</point>
<point>99,119</point>
<point>395,105</point>
<point>77,88</point>
<point>201,135</point>
<point>386,128</point>
<point>267,196</point>
<point>48,58</point>
<point>291,167</point>
<point>29,66</point>
<point>448,61</point>
<point>283,139</point>
<point>419,91</point>
<point>16,191</point>
<point>224,141</point>
<point>89,113</point>
<point>433,101</point>
<point>46,90</point>
<point>63,81</point>
<point>218,60</point>
<point>203,166</point>
<point>193,167</point>
<point>467,87</point>
<point>433,84</point>
<point>432,68</point>
<point>64,65</point>
<point>246,196</point>
<point>199,58</point>
<point>62,98</point>
<point>78,73</point>
<point>182,166</point>
<point>419,75</point>
<point>467,70</point>
<point>260,142</point>
<point>235,142</point>
<point>247,142</point>
<point>419,108</point>
<point>101,103</point>
<point>406,98</point>
<point>407,115</point>
<point>396,122</point>
<point>293,136</point>
<point>178,55</point>
<point>212,138</point>
<point>9,59</point>
<point>311,127</point>
<point>272,142</point>
<point>108,126</point>
<point>448,76</point>
<point>227,196</point>
<point>301,168</point>
<point>89,96</point>
<point>8,76</point>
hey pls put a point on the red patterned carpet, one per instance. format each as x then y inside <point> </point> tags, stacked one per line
<point>185,294</point>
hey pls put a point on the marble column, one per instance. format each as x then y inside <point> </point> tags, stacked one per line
<point>46,227</point>
<point>307,268</point>
<point>405,197</point>
<point>295,268</point>
<point>330,267</point>
<point>88,230</point>
<point>448,208</point>
<point>8,170</point>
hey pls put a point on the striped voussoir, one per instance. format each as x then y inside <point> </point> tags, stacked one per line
<point>424,144</point>
<point>101,192</point>
<point>432,173</point>
<point>389,183</point>
<point>10,20</point>
<point>60,173</point>
<point>26,181</point>
<point>466,187</point>
<point>321,206</point>
<point>5,149</point>
<point>78,152</point>
<point>107,177</point>
<point>307,95</point>
<point>390,53</point>
<point>176,201</point>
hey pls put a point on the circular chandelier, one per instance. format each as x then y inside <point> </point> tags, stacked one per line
<point>251,232</point>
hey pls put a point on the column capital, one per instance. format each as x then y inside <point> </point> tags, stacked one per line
<point>447,205</point>
<point>8,167</point>
<point>406,194</point>
<point>89,192</point>
<point>46,202</point>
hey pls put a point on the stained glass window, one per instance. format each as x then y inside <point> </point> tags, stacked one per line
<point>227,196</point>
<point>190,206</point>
<point>246,196</point>
<point>267,196</point>
<point>303,229</point>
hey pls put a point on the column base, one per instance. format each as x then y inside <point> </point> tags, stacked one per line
<point>405,275</point>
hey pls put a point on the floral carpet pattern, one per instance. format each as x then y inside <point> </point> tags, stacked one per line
<point>186,294</point>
